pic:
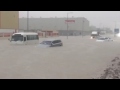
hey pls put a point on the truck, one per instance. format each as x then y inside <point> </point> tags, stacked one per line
<point>95,34</point>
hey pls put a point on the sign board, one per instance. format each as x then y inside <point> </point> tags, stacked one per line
<point>116,31</point>
<point>69,21</point>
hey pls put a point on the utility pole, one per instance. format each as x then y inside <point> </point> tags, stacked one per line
<point>115,28</point>
<point>67,23</point>
<point>27,20</point>
<point>82,27</point>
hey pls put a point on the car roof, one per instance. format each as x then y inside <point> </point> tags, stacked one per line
<point>26,33</point>
<point>52,39</point>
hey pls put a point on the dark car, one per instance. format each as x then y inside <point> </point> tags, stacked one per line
<point>51,43</point>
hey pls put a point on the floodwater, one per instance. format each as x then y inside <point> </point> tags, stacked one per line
<point>79,58</point>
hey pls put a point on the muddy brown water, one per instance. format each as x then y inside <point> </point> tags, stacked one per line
<point>79,58</point>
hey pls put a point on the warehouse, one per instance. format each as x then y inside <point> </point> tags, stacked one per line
<point>75,26</point>
<point>9,19</point>
<point>9,23</point>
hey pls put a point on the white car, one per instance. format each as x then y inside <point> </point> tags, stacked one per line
<point>104,39</point>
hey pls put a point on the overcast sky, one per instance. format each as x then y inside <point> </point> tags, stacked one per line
<point>96,18</point>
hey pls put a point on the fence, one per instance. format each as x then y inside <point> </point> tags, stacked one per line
<point>41,34</point>
<point>5,34</point>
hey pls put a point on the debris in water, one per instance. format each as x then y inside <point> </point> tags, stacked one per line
<point>113,71</point>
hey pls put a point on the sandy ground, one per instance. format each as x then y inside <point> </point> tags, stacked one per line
<point>79,58</point>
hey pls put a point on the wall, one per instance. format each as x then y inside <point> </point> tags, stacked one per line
<point>6,32</point>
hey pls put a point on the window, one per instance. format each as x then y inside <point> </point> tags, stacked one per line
<point>17,37</point>
<point>46,42</point>
<point>57,41</point>
<point>37,37</point>
<point>101,38</point>
<point>54,42</point>
<point>32,37</point>
<point>24,38</point>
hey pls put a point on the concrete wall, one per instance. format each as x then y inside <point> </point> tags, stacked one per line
<point>9,19</point>
<point>73,32</point>
<point>7,30</point>
<point>54,24</point>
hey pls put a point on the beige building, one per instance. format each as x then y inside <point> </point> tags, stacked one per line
<point>9,20</point>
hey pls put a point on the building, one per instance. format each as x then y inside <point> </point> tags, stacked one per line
<point>75,25</point>
<point>9,22</point>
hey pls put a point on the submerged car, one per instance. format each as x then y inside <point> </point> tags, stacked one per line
<point>51,43</point>
<point>103,39</point>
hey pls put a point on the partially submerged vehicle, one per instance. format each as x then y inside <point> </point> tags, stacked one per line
<point>51,43</point>
<point>24,38</point>
<point>95,34</point>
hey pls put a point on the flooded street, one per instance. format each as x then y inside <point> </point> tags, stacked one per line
<point>79,58</point>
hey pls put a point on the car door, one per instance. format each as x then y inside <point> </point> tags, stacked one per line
<point>54,43</point>
<point>59,43</point>
<point>106,39</point>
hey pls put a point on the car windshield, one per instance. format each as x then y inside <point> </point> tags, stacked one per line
<point>17,38</point>
<point>46,42</point>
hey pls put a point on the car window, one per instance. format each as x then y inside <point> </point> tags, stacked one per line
<point>59,41</point>
<point>55,41</point>
<point>24,38</point>
<point>101,38</point>
<point>46,42</point>
<point>106,38</point>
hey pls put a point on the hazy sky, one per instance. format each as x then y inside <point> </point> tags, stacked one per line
<point>96,18</point>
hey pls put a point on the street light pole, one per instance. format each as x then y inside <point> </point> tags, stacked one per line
<point>67,23</point>
<point>82,27</point>
<point>115,28</point>
<point>27,20</point>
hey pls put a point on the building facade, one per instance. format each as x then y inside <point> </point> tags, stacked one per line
<point>78,24</point>
<point>9,20</point>
<point>9,23</point>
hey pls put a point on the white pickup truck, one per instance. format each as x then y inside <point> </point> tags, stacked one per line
<point>95,34</point>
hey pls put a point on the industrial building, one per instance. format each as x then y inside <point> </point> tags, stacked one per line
<point>9,22</point>
<point>71,26</point>
<point>9,19</point>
